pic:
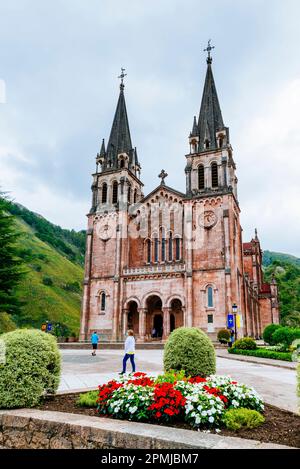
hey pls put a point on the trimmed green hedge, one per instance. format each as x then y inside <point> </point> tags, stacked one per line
<point>286,356</point>
<point>246,343</point>
<point>31,367</point>
<point>191,350</point>
<point>235,419</point>
<point>269,331</point>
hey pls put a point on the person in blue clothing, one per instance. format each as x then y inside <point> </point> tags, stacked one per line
<point>94,341</point>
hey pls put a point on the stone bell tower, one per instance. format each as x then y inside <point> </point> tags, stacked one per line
<point>215,262</point>
<point>116,186</point>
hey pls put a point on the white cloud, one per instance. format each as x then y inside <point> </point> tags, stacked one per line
<point>270,169</point>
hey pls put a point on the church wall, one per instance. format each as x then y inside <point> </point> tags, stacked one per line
<point>99,320</point>
<point>201,310</point>
<point>265,312</point>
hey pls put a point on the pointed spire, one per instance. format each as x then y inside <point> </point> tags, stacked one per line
<point>194,132</point>
<point>210,116</point>
<point>119,140</point>
<point>102,150</point>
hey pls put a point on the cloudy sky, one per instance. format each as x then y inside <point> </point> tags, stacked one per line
<point>59,62</point>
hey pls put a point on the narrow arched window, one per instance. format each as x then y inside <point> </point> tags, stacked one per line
<point>177,248</point>
<point>148,251</point>
<point>104,193</point>
<point>220,142</point>
<point>134,197</point>
<point>155,249</point>
<point>201,177</point>
<point>163,249</point>
<point>170,247</point>
<point>214,175</point>
<point>129,194</point>
<point>122,163</point>
<point>206,144</point>
<point>210,297</point>
<point>115,193</point>
<point>103,301</point>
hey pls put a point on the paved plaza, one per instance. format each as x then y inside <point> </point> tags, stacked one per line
<point>82,371</point>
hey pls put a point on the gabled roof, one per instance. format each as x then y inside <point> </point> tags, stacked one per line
<point>166,188</point>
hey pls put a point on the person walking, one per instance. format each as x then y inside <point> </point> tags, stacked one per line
<point>231,338</point>
<point>94,341</point>
<point>129,351</point>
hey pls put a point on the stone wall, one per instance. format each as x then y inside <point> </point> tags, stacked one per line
<point>36,429</point>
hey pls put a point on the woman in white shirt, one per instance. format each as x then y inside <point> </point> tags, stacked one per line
<point>129,351</point>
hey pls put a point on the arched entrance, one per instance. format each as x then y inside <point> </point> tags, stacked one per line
<point>154,319</point>
<point>176,314</point>
<point>133,317</point>
<point>172,322</point>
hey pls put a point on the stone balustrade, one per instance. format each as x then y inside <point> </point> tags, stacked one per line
<point>157,268</point>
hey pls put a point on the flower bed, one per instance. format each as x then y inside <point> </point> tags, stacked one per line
<point>196,401</point>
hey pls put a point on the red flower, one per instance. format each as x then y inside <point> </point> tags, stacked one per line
<point>197,379</point>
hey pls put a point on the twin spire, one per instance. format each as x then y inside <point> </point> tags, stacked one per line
<point>210,120</point>
<point>209,129</point>
<point>119,139</point>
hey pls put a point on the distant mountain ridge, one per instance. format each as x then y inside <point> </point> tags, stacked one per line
<point>270,256</point>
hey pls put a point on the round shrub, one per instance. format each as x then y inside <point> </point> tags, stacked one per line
<point>31,367</point>
<point>191,350</point>
<point>269,331</point>
<point>235,419</point>
<point>247,343</point>
<point>286,335</point>
<point>223,336</point>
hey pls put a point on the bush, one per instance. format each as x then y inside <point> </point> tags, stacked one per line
<point>235,419</point>
<point>191,350</point>
<point>247,343</point>
<point>31,368</point>
<point>88,399</point>
<point>286,335</point>
<point>48,281</point>
<point>171,376</point>
<point>223,336</point>
<point>263,354</point>
<point>269,331</point>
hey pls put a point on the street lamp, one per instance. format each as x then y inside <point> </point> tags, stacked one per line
<point>234,311</point>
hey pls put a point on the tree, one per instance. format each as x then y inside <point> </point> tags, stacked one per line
<point>11,270</point>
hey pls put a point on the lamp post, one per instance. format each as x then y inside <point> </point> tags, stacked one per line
<point>234,311</point>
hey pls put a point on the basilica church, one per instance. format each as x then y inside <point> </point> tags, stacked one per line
<point>158,261</point>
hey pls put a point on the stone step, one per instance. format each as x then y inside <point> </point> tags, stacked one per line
<point>155,345</point>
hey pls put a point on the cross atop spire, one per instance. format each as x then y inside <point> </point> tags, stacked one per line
<point>163,176</point>
<point>122,76</point>
<point>208,49</point>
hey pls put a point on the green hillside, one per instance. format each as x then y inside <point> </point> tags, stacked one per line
<point>269,257</point>
<point>69,243</point>
<point>52,288</point>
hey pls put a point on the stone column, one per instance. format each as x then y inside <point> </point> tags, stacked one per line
<point>85,308</point>
<point>166,322</point>
<point>142,323</point>
<point>125,321</point>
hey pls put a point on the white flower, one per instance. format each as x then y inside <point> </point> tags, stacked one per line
<point>218,430</point>
<point>204,413</point>
<point>197,420</point>
<point>211,419</point>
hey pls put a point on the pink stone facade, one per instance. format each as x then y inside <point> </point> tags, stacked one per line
<point>170,259</point>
